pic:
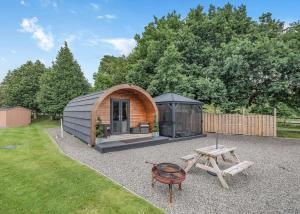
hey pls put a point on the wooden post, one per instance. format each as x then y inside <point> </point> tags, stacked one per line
<point>61,128</point>
<point>34,115</point>
<point>173,120</point>
<point>202,119</point>
<point>260,133</point>
<point>275,124</point>
<point>243,122</point>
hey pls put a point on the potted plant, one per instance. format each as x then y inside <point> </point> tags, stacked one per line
<point>155,129</point>
<point>99,131</point>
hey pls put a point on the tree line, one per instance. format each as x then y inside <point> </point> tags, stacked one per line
<point>222,57</point>
<point>44,90</point>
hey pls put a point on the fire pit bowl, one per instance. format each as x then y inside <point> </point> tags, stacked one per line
<point>168,173</point>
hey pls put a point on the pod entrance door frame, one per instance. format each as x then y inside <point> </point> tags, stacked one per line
<point>120,116</point>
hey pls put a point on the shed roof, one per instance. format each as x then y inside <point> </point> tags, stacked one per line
<point>5,108</point>
<point>174,98</point>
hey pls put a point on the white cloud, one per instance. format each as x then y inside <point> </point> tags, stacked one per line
<point>124,46</point>
<point>2,60</point>
<point>45,40</point>
<point>47,3</point>
<point>107,17</point>
<point>72,11</point>
<point>94,6</point>
<point>12,51</point>
<point>71,38</point>
<point>22,3</point>
<point>93,40</point>
<point>43,61</point>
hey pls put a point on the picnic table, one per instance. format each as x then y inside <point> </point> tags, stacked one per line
<point>210,155</point>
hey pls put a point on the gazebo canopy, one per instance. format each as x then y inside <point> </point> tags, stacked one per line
<point>174,98</point>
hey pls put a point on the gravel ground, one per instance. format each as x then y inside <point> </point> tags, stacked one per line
<point>271,186</point>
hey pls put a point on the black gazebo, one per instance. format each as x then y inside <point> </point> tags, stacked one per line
<point>179,116</point>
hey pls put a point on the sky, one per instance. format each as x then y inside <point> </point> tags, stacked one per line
<point>36,29</point>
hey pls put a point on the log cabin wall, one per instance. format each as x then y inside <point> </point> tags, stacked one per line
<point>141,109</point>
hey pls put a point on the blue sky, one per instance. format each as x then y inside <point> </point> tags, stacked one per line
<point>35,29</point>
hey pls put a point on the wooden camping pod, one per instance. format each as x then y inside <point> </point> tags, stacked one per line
<point>81,113</point>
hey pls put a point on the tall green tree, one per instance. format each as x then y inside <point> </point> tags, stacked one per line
<point>20,86</point>
<point>291,75</point>
<point>2,95</point>
<point>3,100</point>
<point>257,72</point>
<point>169,75</point>
<point>63,82</point>
<point>210,90</point>
<point>112,71</point>
<point>221,57</point>
<point>270,27</point>
<point>151,46</point>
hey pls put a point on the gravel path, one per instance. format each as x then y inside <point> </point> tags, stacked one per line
<point>271,186</point>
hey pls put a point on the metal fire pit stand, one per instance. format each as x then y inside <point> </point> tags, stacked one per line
<point>168,177</point>
<point>170,188</point>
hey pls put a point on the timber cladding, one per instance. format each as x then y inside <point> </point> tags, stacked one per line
<point>80,114</point>
<point>14,117</point>
<point>138,107</point>
<point>256,125</point>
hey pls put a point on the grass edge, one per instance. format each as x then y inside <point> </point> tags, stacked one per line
<point>98,172</point>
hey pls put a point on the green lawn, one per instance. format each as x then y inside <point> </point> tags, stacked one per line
<point>286,133</point>
<point>37,178</point>
<point>288,130</point>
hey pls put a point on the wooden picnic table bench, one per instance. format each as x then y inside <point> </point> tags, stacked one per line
<point>210,154</point>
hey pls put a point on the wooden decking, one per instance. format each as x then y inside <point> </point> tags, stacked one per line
<point>123,137</point>
<point>129,142</point>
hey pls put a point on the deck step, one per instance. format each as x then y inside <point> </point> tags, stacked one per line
<point>188,157</point>
<point>123,145</point>
<point>237,168</point>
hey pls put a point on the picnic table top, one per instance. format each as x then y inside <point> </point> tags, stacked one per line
<point>215,152</point>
